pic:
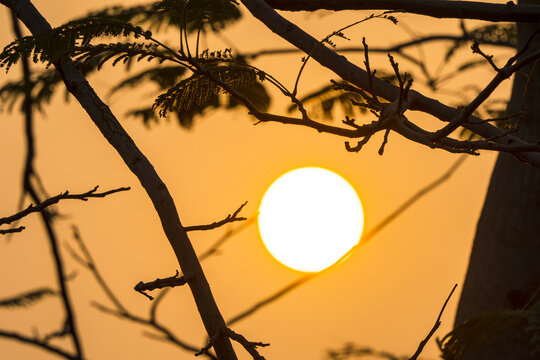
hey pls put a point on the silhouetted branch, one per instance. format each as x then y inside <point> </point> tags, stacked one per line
<point>445,9</point>
<point>502,74</point>
<point>39,343</point>
<point>526,152</point>
<point>390,49</point>
<point>12,230</point>
<point>168,282</point>
<point>46,217</point>
<point>139,164</point>
<point>55,199</point>
<point>228,234</point>
<point>434,328</point>
<point>89,263</point>
<point>168,335</point>
<point>27,298</point>
<point>230,218</point>
<point>250,346</point>
<point>370,234</point>
<point>120,310</point>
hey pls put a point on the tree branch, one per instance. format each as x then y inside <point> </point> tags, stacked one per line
<point>137,162</point>
<point>357,76</point>
<point>435,8</point>
<point>36,342</point>
<point>229,219</point>
<point>167,282</point>
<point>55,199</point>
<point>368,236</point>
<point>434,328</point>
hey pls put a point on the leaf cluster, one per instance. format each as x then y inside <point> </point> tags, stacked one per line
<point>199,14</point>
<point>26,299</point>
<point>198,88</point>
<point>50,46</point>
<point>472,334</point>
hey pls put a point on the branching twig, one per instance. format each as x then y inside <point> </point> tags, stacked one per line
<point>12,230</point>
<point>369,235</point>
<point>55,199</point>
<point>170,281</point>
<point>39,343</point>
<point>502,74</point>
<point>434,328</point>
<point>230,218</point>
<point>250,346</point>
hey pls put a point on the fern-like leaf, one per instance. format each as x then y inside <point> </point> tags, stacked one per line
<point>198,89</point>
<point>49,46</point>
<point>26,299</point>
<point>475,332</point>
<point>164,77</point>
<point>42,87</point>
<point>201,14</point>
<point>118,52</point>
<point>352,351</point>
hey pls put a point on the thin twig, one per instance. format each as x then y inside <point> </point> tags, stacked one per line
<point>230,218</point>
<point>55,199</point>
<point>434,328</point>
<point>37,342</point>
<point>368,236</point>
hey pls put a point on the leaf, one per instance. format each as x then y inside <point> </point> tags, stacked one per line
<point>322,101</point>
<point>352,351</point>
<point>118,52</point>
<point>49,46</point>
<point>198,89</point>
<point>201,14</point>
<point>42,87</point>
<point>256,93</point>
<point>475,332</point>
<point>164,76</point>
<point>27,299</point>
<point>534,328</point>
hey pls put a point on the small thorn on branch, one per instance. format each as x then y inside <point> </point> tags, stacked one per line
<point>171,281</point>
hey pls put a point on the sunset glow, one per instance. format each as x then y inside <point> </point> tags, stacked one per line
<point>309,218</point>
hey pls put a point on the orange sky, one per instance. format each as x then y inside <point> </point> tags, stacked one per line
<point>387,295</point>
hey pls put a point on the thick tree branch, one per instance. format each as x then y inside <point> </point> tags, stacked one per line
<point>137,162</point>
<point>446,9</point>
<point>357,76</point>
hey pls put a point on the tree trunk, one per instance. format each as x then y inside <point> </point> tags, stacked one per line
<point>504,267</point>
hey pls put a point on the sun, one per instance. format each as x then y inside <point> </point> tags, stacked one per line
<point>309,218</point>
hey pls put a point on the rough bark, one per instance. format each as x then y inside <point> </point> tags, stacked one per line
<point>504,267</point>
<point>434,8</point>
<point>111,129</point>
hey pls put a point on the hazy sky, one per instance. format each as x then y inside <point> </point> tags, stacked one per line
<point>387,295</point>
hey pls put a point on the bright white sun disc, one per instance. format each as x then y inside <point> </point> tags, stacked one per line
<point>309,218</point>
